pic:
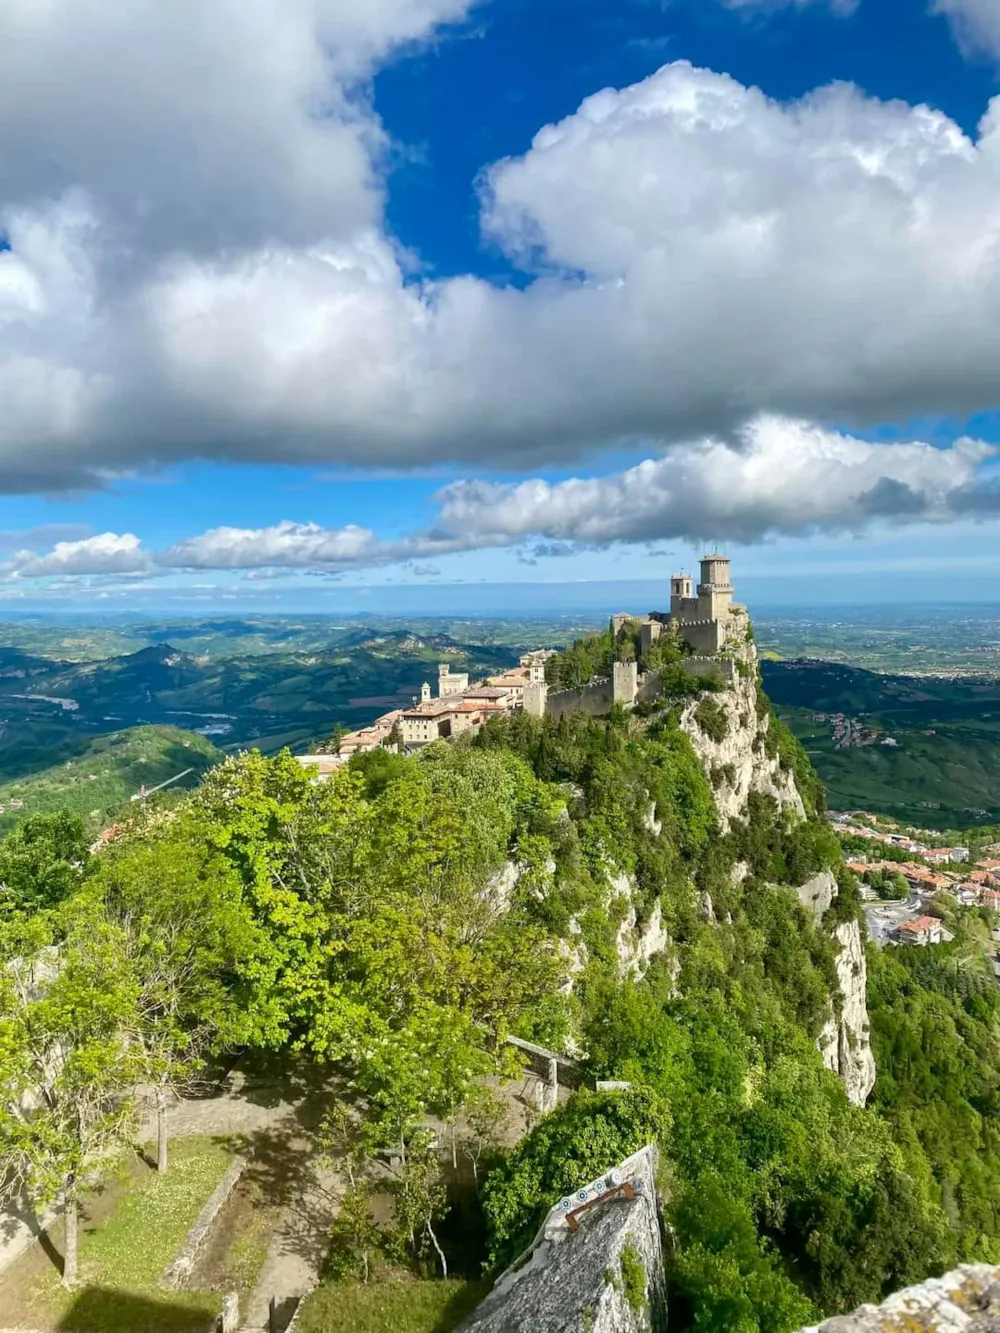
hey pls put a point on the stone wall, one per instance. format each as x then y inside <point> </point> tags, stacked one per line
<point>595,699</point>
<point>967,1299</point>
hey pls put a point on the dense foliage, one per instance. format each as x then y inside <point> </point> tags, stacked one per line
<point>405,916</point>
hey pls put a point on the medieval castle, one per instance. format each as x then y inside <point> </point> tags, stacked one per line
<point>707,620</point>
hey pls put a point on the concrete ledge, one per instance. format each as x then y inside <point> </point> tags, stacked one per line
<point>180,1270</point>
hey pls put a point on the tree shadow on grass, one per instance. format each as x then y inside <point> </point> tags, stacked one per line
<point>461,1305</point>
<point>101,1310</point>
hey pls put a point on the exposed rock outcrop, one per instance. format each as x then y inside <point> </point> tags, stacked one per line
<point>964,1301</point>
<point>739,764</point>
<point>739,759</point>
<point>606,1276</point>
<point>845,1042</point>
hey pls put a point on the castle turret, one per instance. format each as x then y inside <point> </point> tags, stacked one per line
<point>715,591</point>
<point>425,693</point>
<point>681,591</point>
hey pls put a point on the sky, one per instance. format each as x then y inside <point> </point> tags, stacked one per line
<point>319,304</point>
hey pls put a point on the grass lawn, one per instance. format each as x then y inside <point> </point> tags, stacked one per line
<point>123,1256</point>
<point>403,1306</point>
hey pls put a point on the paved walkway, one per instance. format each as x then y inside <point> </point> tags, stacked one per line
<point>299,1245</point>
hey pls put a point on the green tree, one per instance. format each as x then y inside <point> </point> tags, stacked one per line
<point>42,862</point>
<point>177,906</point>
<point>420,1196</point>
<point>67,1071</point>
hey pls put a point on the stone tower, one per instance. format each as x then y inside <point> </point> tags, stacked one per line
<point>715,591</point>
<point>681,590</point>
<point>425,693</point>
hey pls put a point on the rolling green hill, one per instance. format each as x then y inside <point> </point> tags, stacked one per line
<point>268,700</point>
<point>104,773</point>
<point>944,768</point>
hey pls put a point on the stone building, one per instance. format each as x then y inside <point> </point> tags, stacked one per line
<point>705,617</point>
<point>451,682</point>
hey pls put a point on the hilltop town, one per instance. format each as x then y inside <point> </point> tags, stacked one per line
<point>706,619</point>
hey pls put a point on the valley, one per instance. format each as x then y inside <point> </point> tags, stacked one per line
<point>890,716</point>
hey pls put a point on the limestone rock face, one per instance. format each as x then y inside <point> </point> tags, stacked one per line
<point>740,760</point>
<point>818,893</point>
<point>845,1044</point>
<point>572,1280</point>
<point>738,765</point>
<point>964,1301</point>
<point>638,945</point>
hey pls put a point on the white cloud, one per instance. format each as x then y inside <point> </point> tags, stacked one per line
<point>778,477</point>
<point>210,276</point>
<point>197,127</point>
<point>975,23</point>
<point>286,545</point>
<point>108,553</point>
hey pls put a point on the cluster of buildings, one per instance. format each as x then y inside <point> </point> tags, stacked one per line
<point>460,707</point>
<point>850,734</point>
<point>707,619</point>
<point>850,824</point>
<point>939,870</point>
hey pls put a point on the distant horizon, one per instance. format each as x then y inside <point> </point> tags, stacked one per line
<point>765,597</point>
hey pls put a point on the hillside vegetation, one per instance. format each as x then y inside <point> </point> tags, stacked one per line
<point>944,767</point>
<point>402,918</point>
<point>268,698</point>
<point>105,773</point>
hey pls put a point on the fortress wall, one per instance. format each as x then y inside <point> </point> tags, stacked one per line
<point>595,699</point>
<point>702,667</point>
<point>711,666</point>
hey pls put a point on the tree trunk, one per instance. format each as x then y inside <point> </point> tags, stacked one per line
<point>434,1240</point>
<point>161,1131</point>
<point>454,1145</point>
<point>70,1215</point>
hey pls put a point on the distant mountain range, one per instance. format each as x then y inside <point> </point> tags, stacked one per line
<point>51,707</point>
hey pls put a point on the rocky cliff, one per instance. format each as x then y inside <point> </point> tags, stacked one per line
<point>596,1264</point>
<point>731,742</point>
<point>735,756</point>
<point>966,1300</point>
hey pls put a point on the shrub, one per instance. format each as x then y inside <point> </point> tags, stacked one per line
<point>711,718</point>
<point>633,1277</point>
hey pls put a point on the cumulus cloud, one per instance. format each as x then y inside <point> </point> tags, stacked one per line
<point>108,553</point>
<point>776,477</point>
<point>975,23</point>
<point>286,545</point>
<point>199,267</point>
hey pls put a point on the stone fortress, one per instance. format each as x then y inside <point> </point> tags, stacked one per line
<point>713,626</point>
<point>707,620</point>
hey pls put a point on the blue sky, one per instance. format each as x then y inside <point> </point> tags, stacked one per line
<point>305,301</point>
